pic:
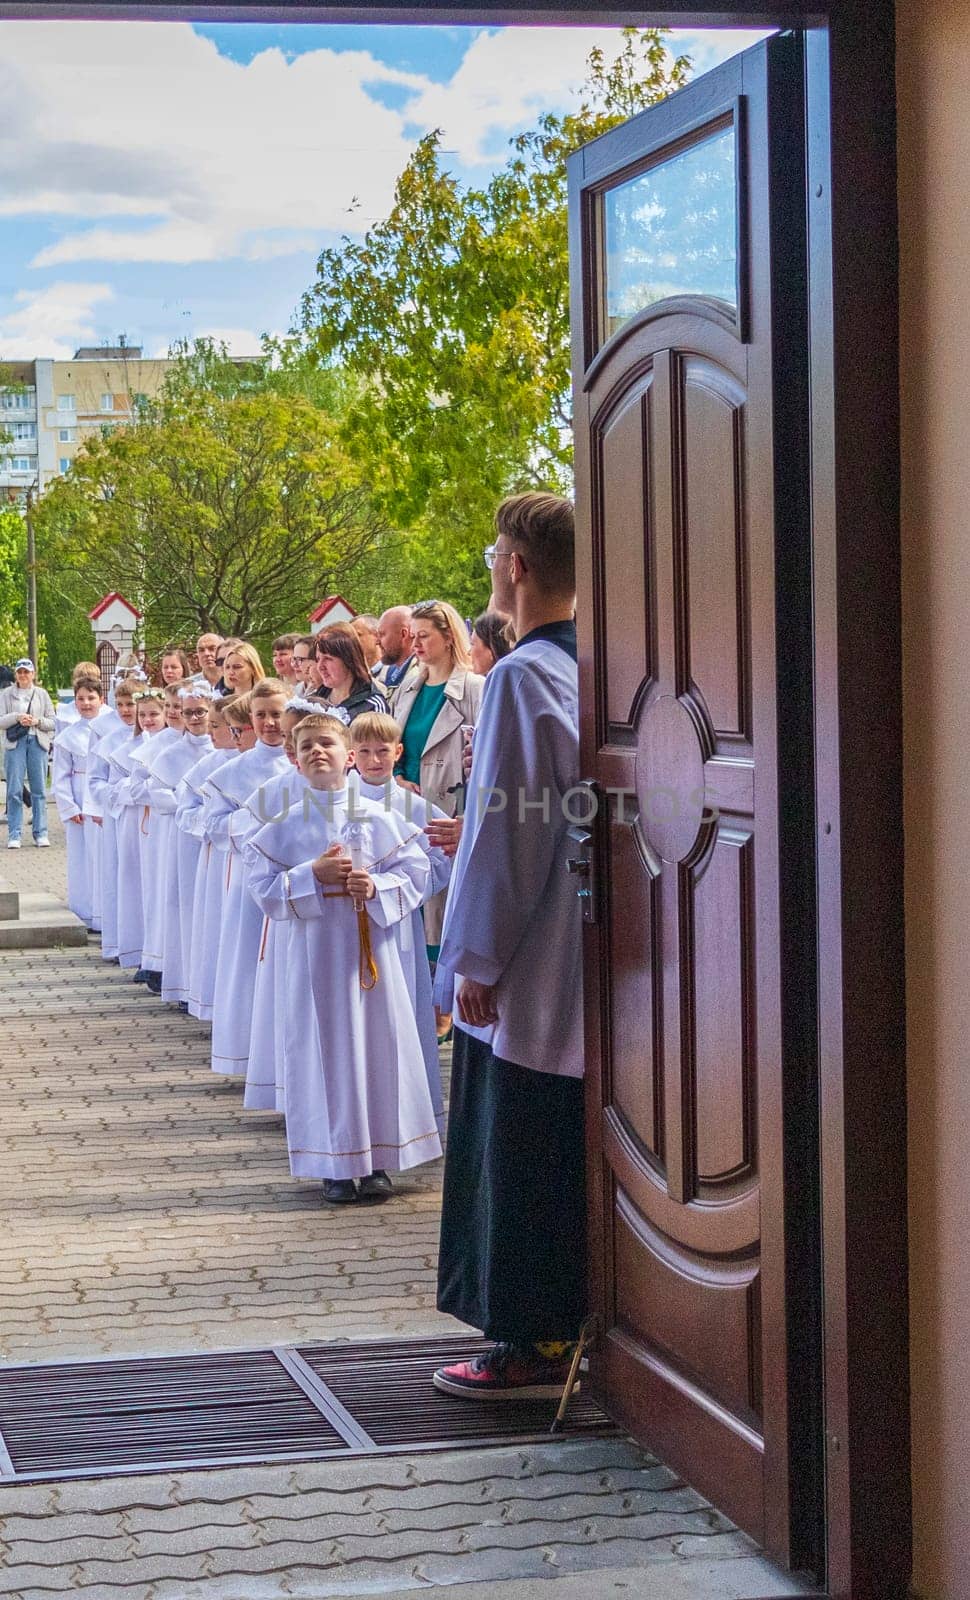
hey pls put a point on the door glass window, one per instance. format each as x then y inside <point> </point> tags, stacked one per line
<point>672,230</point>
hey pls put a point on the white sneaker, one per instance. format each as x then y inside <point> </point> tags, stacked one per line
<point>13,844</point>
<point>43,843</point>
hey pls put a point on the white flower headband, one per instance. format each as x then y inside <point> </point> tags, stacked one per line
<point>196,691</point>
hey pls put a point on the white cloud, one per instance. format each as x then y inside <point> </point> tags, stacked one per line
<point>55,319</point>
<point>238,341</point>
<point>102,120</point>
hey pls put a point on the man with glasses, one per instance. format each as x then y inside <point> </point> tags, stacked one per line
<point>27,722</point>
<point>513,1222</point>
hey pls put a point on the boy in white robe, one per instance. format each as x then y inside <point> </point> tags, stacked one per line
<point>341,874</point>
<point>376,744</point>
<point>68,781</point>
<point>153,835</point>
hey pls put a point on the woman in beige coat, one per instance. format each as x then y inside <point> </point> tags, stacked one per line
<point>432,708</point>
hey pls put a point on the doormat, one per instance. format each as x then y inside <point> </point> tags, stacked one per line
<point>308,1402</point>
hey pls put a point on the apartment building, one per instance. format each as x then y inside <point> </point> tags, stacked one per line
<point>48,408</point>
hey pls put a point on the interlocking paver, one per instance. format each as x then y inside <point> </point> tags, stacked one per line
<point>144,1211</point>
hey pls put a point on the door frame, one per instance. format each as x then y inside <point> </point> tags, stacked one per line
<point>854,402</point>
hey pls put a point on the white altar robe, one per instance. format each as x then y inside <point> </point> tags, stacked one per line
<point>101,777</point>
<point>166,768</point>
<point>228,788</point>
<point>68,776</point>
<point>152,835</point>
<point>356,1088</point>
<point>513,918</point>
<point>193,863</point>
<point>123,760</point>
<point>411,936</point>
<point>272,801</point>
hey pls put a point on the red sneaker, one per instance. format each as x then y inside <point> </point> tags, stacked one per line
<point>504,1373</point>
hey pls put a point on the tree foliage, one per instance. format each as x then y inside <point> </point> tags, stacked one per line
<point>231,503</point>
<point>453,317</point>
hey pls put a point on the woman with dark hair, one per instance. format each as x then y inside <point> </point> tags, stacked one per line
<point>344,674</point>
<point>174,665</point>
<point>489,641</point>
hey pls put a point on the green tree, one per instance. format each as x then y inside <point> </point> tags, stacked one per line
<point>229,503</point>
<point>452,316</point>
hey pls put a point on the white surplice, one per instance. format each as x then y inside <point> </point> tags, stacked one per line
<point>513,918</point>
<point>166,767</point>
<point>228,788</point>
<point>101,777</point>
<point>272,801</point>
<point>411,936</point>
<point>356,1089</point>
<point>68,777</point>
<point>201,952</point>
<point>152,838</point>
<point>192,856</point>
<point>123,761</point>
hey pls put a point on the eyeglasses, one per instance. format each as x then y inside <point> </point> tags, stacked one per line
<point>426,605</point>
<point>193,716</point>
<point>234,732</point>
<point>221,661</point>
<point>491,554</point>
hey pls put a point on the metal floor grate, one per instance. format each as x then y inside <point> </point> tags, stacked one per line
<point>96,1418</point>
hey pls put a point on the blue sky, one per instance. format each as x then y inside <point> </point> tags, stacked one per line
<point>165,180</point>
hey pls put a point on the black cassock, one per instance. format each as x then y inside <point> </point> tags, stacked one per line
<point>512,1259</point>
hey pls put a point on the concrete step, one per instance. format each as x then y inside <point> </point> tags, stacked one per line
<point>9,902</point>
<point>40,922</point>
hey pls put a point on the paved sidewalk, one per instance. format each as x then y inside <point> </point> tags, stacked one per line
<point>143,1210</point>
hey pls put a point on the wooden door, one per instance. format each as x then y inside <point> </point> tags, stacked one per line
<point>695,619</point>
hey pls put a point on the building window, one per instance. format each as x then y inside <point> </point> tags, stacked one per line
<point>65,464</point>
<point>66,435</point>
<point>65,402</point>
<point>17,399</point>
<point>21,464</point>
<point>107,402</point>
<point>24,430</point>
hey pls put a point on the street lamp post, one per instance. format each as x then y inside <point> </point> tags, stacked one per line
<point>31,579</point>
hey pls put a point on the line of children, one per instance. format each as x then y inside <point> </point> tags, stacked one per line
<point>256,864</point>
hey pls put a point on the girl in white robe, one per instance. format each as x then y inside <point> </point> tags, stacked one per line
<point>202,953</point>
<point>357,1097</point>
<point>128,811</point>
<point>191,846</point>
<point>67,785</point>
<point>226,791</point>
<point>101,777</point>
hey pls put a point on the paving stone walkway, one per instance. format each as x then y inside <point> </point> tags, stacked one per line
<point>142,1211</point>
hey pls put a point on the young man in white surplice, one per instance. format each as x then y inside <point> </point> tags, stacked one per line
<point>341,873</point>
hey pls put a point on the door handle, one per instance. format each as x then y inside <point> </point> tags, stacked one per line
<point>583,864</point>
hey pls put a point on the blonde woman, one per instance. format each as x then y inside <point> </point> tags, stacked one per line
<point>242,669</point>
<point>443,696</point>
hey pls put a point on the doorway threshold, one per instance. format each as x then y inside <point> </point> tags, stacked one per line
<point>307,1402</point>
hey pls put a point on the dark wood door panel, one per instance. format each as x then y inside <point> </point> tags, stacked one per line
<point>675,469</point>
<point>699,1313</point>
